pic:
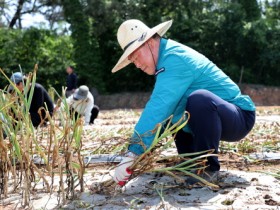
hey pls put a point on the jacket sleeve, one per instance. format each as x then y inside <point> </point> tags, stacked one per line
<point>36,103</point>
<point>171,85</point>
<point>49,102</point>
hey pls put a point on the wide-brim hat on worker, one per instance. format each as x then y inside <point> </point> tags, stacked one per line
<point>132,34</point>
<point>81,93</point>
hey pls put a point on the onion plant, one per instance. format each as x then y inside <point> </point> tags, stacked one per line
<point>56,144</point>
<point>150,160</point>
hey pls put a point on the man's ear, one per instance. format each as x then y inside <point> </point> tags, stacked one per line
<point>152,42</point>
<point>20,84</point>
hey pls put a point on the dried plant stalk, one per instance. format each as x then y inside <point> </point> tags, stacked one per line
<point>58,148</point>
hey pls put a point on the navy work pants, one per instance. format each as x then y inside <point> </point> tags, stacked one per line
<point>94,114</point>
<point>212,119</point>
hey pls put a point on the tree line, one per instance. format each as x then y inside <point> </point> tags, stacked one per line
<point>240,36</point>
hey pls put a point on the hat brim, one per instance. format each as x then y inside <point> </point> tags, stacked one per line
<point>77,96</point>
<point>160,29</point>
<point>10,88</point>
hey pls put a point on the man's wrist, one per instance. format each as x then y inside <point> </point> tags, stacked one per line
<point>131,154</point>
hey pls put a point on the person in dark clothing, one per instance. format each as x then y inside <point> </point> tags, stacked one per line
<point>39,99</point>
<point>40,102</point>
<point>71,81</point>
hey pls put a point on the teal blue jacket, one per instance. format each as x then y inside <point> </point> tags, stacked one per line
<point>180,71</point>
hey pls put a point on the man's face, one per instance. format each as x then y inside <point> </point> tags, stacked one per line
<point>19,86</point>
<point>69,70</point>
<point>143,59</point>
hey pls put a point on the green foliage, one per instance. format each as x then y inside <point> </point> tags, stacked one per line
<point>50,51</point>
<point>233,34</point>
<point>251,8</point>
<point>236,35</point>
<point>86,52</point>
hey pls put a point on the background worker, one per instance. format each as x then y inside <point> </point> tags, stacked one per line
<point>81,103</point>
<point>71,81</point>
<point>40,99</point>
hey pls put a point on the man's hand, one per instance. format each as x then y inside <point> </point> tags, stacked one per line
<point>122,171</point>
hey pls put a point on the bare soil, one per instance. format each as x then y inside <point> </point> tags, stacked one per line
<point>243,182</point>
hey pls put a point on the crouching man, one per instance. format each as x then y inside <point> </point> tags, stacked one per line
<point>81,103</point>
<point>185,81</point>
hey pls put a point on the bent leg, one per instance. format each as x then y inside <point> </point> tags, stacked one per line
<point>213,119</point>
<point>184,142</point>
<point>94,114</point>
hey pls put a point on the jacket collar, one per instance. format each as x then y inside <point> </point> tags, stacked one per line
<point>162,47</point>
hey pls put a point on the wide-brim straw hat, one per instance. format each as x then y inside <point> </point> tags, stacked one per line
<point>132,34</point>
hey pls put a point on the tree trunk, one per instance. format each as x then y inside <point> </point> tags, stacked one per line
<point>17,13</point>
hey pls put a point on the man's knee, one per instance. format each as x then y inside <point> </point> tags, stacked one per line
<point>95,110</point>
<point>94,114</point>
<point>184,142</point>
<point>96,107</point>
<point>199,99</point>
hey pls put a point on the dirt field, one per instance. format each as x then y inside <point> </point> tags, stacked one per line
<point>243,182</point>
